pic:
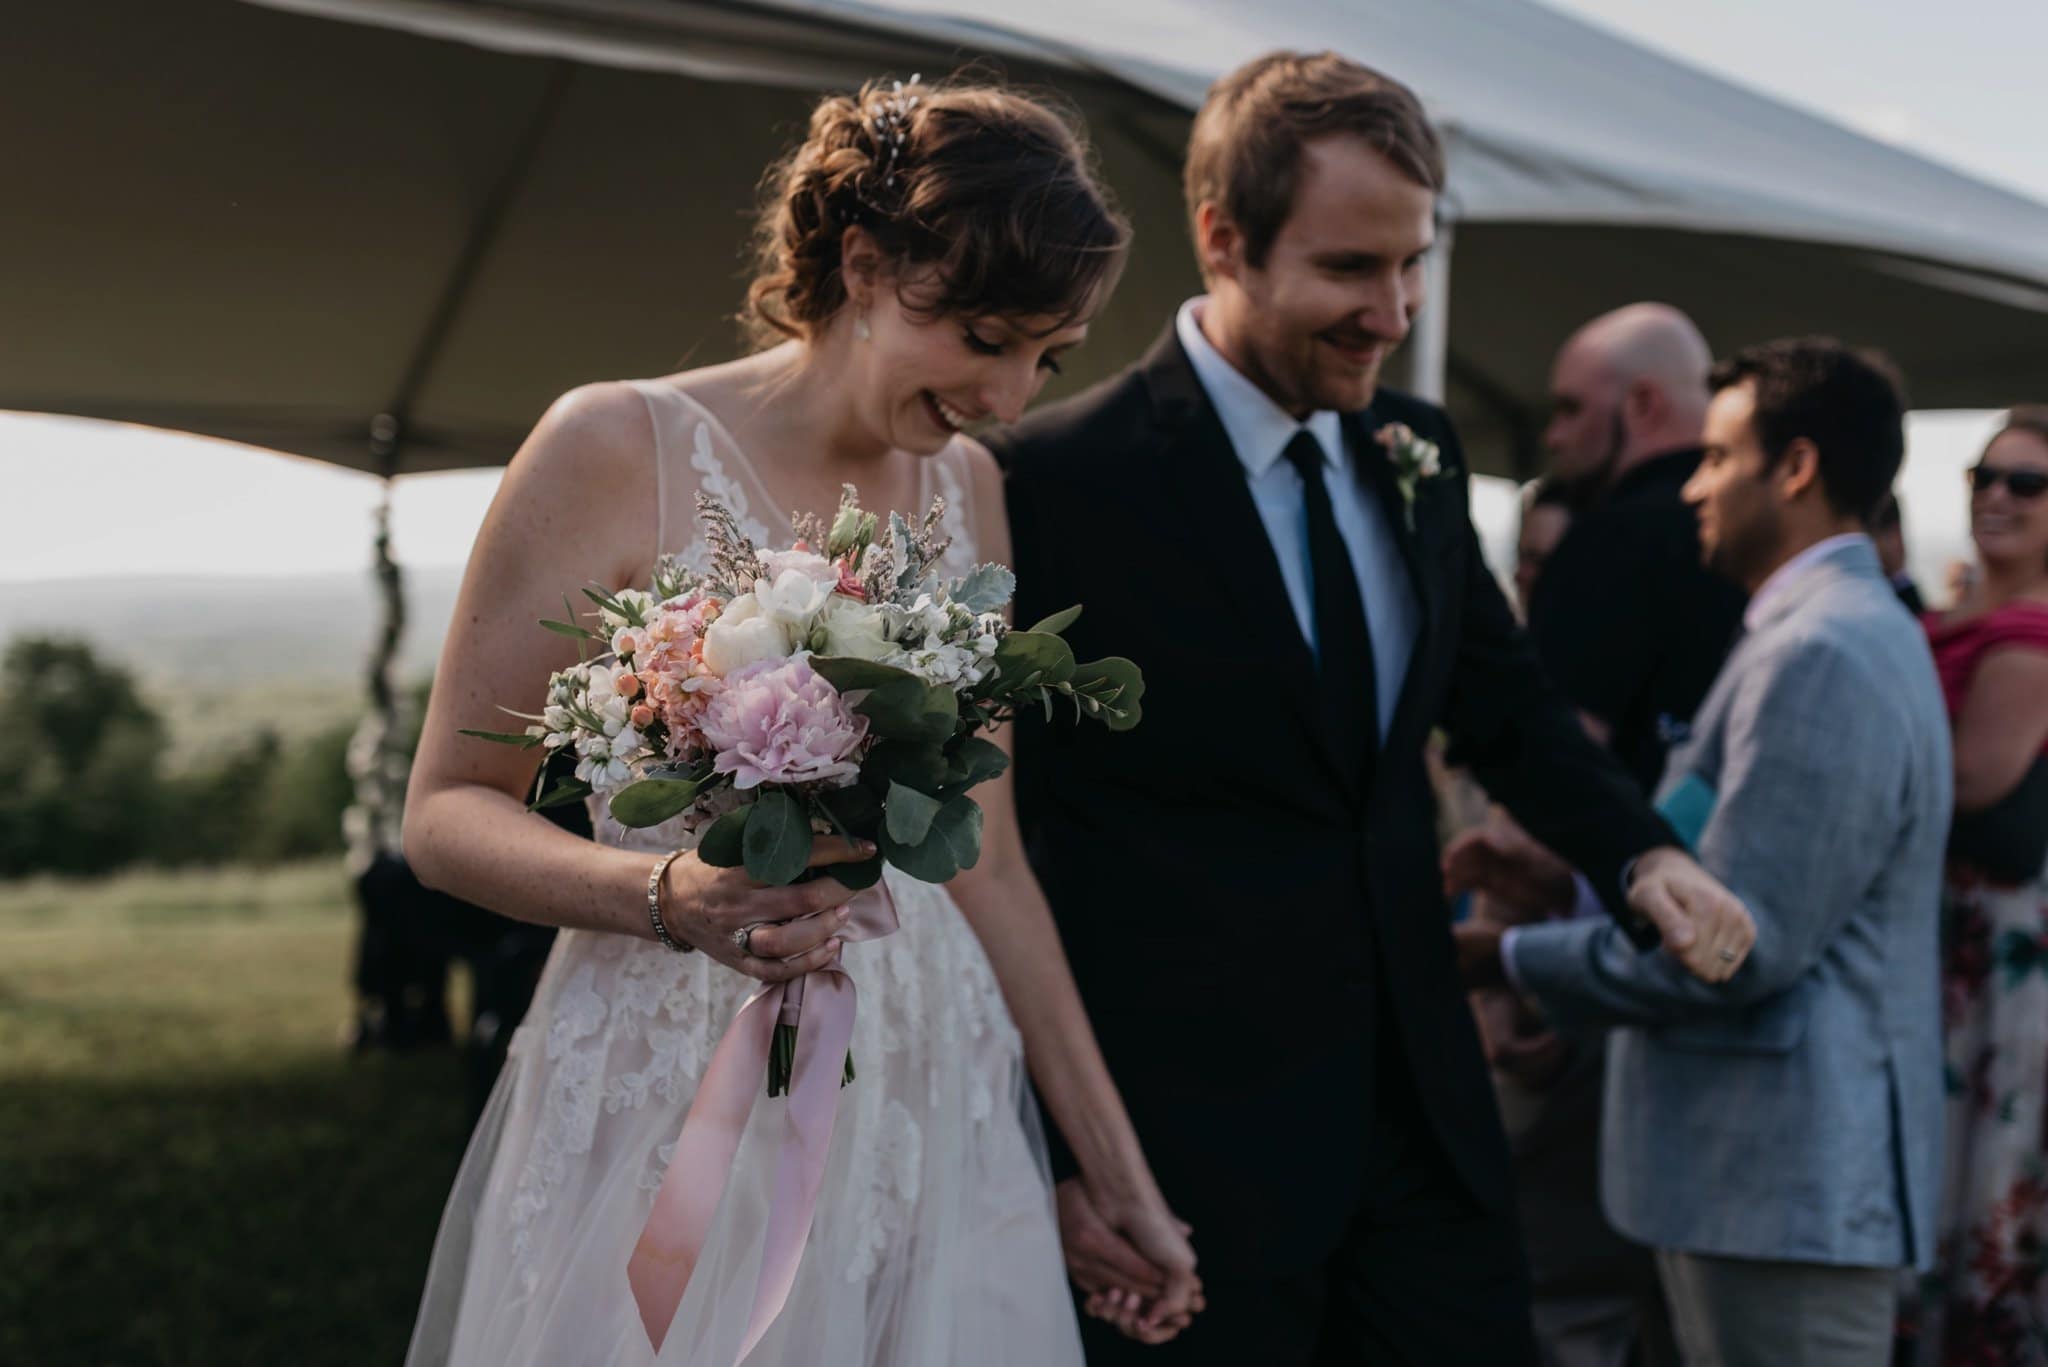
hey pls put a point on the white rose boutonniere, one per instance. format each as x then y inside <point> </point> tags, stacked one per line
<point>1415,460</point>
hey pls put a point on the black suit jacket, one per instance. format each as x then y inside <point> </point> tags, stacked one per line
<point>1225,886</point>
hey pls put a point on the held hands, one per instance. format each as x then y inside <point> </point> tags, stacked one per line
<point>790,931</point>
<point>1133,1260</point>
<point>1705,926</point>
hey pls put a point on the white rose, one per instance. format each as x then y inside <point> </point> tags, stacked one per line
<point>744,635</point>
<point>851,628</point>
<point>793,598</point>
<point>814,567</point>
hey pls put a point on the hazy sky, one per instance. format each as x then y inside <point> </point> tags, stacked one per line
<point>1961,81</point>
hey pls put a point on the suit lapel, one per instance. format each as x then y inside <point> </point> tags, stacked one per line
<point>1359,430</point>
<point>1203,476</point>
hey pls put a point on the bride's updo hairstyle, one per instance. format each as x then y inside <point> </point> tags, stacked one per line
<point>982,199</point>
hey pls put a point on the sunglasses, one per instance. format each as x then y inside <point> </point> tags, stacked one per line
<point>2022,483</point>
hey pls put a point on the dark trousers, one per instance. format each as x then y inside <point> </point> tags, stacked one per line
<point>1424,1275</point>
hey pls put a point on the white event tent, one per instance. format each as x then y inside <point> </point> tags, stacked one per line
<point>385,232</point>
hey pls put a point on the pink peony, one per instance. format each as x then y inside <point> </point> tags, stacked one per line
<point>777,721</point>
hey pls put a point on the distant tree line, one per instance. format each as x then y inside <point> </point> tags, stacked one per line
<point>84,788</point>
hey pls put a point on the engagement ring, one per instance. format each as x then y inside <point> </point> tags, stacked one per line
<point>744,938</point>
<point>1728,955</point>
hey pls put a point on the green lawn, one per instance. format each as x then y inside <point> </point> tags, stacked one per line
<point>191,1169</point>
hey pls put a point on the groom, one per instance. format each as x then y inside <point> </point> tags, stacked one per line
<point>1248,883</point>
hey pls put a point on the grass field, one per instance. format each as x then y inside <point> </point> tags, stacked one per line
<point>191,1169</point>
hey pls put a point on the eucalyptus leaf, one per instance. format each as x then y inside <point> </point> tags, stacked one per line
<point>976,761</point>
<point>985,588</point>
<point>1029,653</point>
<point>908,814</point>
<point>1118,686</point>
<point>929,861</point>
<point>910,709</point>
<point>959,824</point>
<point>848,673</point>
<point>914,764</point>
<point>723,845</point>
<point>562,794</point>
<point>1058,622</point>
<point>953,843</point>
<point>777,842</point>
<point>856,811</point>
<point>651,801</point>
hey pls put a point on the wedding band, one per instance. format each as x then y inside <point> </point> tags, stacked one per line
<point>1728,956</point>
<point>744,939</point>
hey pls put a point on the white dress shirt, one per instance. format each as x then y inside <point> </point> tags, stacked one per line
<point>1259,431</point>
<point>1789,573</point>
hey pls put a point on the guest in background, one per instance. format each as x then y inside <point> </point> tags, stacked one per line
<point>1888,530</point>
<point>1546,517</point>
<point>1627,621</point>
<point>1633,627</point>
<point>1987,1300</point>
<point>1776,1137</point>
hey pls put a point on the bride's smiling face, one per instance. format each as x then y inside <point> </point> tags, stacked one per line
<point>921,379</point>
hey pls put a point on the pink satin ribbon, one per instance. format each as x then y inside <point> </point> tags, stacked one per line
<point>674,1236</point>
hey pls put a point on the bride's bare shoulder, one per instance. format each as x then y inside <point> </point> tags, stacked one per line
<point>589,456</point>
<point>592,425</point>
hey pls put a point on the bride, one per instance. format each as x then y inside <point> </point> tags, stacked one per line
<point>927,256</point>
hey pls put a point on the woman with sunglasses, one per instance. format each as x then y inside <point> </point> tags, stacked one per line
<point>1987,1298</point>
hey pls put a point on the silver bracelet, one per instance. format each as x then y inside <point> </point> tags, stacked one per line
<point>654,906</point>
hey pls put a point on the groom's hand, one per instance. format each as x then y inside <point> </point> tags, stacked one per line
<point>1704,926</point>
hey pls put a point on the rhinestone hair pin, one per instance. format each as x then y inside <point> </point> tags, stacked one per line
<point>891,124</point>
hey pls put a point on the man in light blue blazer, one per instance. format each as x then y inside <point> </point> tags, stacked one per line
<point>1776,1137</point>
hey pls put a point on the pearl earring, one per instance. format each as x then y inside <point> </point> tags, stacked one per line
<point>860,327</point>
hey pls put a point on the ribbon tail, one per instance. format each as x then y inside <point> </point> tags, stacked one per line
<point>806,1143</point>
<point>673,1238</point>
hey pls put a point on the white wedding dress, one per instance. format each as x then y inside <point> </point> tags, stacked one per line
<point>934,1242</point>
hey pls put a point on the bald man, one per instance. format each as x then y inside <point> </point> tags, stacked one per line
<point>1627,620</point>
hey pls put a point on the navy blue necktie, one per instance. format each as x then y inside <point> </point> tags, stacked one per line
<point>1350,693</point>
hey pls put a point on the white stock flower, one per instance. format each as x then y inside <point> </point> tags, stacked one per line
<point>848,627</point>
<point>605,761</point>
<point>948,665</point>
<point>925,622</point>
<point>744,635</point>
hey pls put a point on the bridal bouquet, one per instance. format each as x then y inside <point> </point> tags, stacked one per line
<point>839,685</point>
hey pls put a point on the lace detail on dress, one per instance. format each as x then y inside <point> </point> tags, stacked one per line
<point>962,555</point>
<point>713,480</point>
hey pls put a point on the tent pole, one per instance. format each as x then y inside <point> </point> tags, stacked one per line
<point>377,759</point>
<point>1429,348</point>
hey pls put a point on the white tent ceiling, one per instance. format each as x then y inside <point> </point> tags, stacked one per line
<point>273,220</point>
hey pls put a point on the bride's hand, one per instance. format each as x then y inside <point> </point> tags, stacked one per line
<point>790,931</point>
<point>1133,1258</point>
